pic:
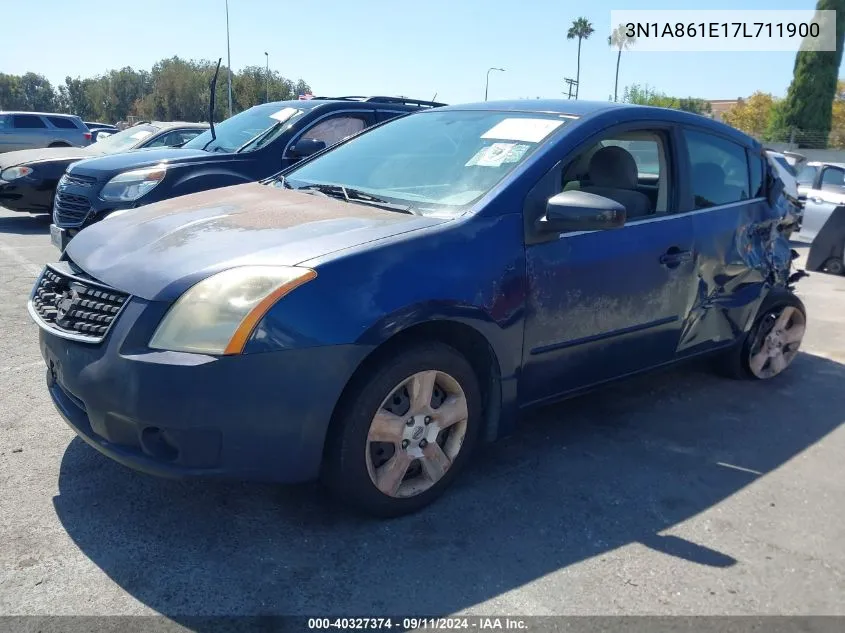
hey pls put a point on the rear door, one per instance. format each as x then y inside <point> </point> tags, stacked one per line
<point>733,222</point>
<point>28,131</point>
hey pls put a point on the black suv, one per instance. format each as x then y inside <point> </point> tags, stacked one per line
<point>249,146</point>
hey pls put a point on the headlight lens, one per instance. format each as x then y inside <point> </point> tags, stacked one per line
<point>218,315</point>
<point>13,173</point>
<point>131,185</point>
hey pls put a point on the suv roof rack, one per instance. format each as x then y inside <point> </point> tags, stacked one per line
<point>379,99</point>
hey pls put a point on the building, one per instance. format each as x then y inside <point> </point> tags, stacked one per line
<point>720,106</point>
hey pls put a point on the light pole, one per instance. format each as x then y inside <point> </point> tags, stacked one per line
<point>268,76</point>
<point>228,58</point>
<point>487,84</point>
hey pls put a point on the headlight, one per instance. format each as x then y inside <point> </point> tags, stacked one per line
<point>218,315</point>
<point>131,185</point>
<point>13,173</point>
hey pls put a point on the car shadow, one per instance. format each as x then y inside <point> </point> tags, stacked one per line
<point>26,224</point>
<point>581,478</point>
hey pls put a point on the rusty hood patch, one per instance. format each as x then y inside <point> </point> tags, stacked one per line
<point>156,252</point>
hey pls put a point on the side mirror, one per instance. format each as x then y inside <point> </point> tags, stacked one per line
<point>581,211</point>
<point>307,146</point>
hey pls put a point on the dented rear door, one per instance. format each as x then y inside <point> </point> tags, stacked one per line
<point>737,242</point>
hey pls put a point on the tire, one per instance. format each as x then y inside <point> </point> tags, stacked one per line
<point>354,461</point>
<point>738,362</point>
<point>834,266</point>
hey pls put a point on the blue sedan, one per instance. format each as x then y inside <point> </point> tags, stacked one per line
<point>372,314</point>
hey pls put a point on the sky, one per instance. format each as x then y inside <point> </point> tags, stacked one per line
<point>387,47</point>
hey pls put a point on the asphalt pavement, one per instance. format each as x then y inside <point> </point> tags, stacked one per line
<point>679,492</point>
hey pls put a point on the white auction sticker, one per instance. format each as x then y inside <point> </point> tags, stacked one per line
<point>521,129</point>
<point>284,114</point>
<point>705,30</point>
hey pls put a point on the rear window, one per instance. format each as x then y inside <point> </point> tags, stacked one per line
<point>62,122</point>
<point>27,121</point>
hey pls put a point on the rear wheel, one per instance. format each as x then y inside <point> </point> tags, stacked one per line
<point>403,433</point>
<point>773,342</point>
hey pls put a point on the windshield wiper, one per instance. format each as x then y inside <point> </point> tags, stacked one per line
<point>359,197</point>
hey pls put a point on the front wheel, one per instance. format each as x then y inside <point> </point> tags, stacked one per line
<point>404,431</point>
<point>773,341</point>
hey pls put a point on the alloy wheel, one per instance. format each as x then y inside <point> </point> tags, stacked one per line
<point>777,342</point>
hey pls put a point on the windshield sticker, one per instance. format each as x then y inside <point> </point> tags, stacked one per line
<point>527,130</point>
<point>497,154</point>
<point>284,114</point>
<point>140,135</point>
<point>492,156</point>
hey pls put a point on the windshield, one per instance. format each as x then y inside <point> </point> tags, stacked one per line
<point>246,131</point>
<point>436,162</point>
<point>125,140</point>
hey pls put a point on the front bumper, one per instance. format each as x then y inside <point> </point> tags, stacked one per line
<point>260,416</point>
<point>26,197</point>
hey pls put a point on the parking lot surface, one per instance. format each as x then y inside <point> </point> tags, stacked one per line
<point>673,493</point>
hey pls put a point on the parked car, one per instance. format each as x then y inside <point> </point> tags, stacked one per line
<point>246,147</point>
<point>100,131</point>
<point>373,313</point>
<point>28,178</point>
<point>31,130</point>
<point>823,188</point>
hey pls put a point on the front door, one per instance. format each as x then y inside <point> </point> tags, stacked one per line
<point>603,304</point>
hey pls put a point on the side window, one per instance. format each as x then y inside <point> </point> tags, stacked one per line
<point>719,170</point>
<point>833,178</point>
<point>61,122</point>
<point>187,135</point>
<point>165,140</point>
<point>807,176</point>
<point>755,164</point>
<point>629,167</point>
<point>335,129</point>
<point>27,122</point>
<point>5,122</point>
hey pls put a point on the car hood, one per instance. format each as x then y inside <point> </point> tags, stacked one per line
<point>135,159</point>
<point>157,251</point>
<point>25,156</point>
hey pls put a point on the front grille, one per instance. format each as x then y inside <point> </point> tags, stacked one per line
<point>73,307</point>
<point>79,181</point>
<point>70,210</point>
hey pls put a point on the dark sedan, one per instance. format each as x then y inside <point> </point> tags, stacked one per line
<point>28,178</point>
<point>375,312</point>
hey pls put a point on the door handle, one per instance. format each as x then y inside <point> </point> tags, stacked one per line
<point>674,257</point>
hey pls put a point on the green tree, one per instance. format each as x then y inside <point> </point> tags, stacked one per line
<point>753,115</point>
<point>646,95</point>
<point>619,40</point>
<point>37,93</point>
<point>807,111</point>
<point>11,95</point>
<point>582,29</point>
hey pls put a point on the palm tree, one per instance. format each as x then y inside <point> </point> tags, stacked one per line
<point>621,41</point>
<point>582,29</point>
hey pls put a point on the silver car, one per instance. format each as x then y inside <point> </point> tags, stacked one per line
<point>822,184</point>
<point>32,130</point>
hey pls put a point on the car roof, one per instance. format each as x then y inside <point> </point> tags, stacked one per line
<point>360,102</point>
<point>61,114</point>
<point>166,125</point>
<point>585,109</point>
